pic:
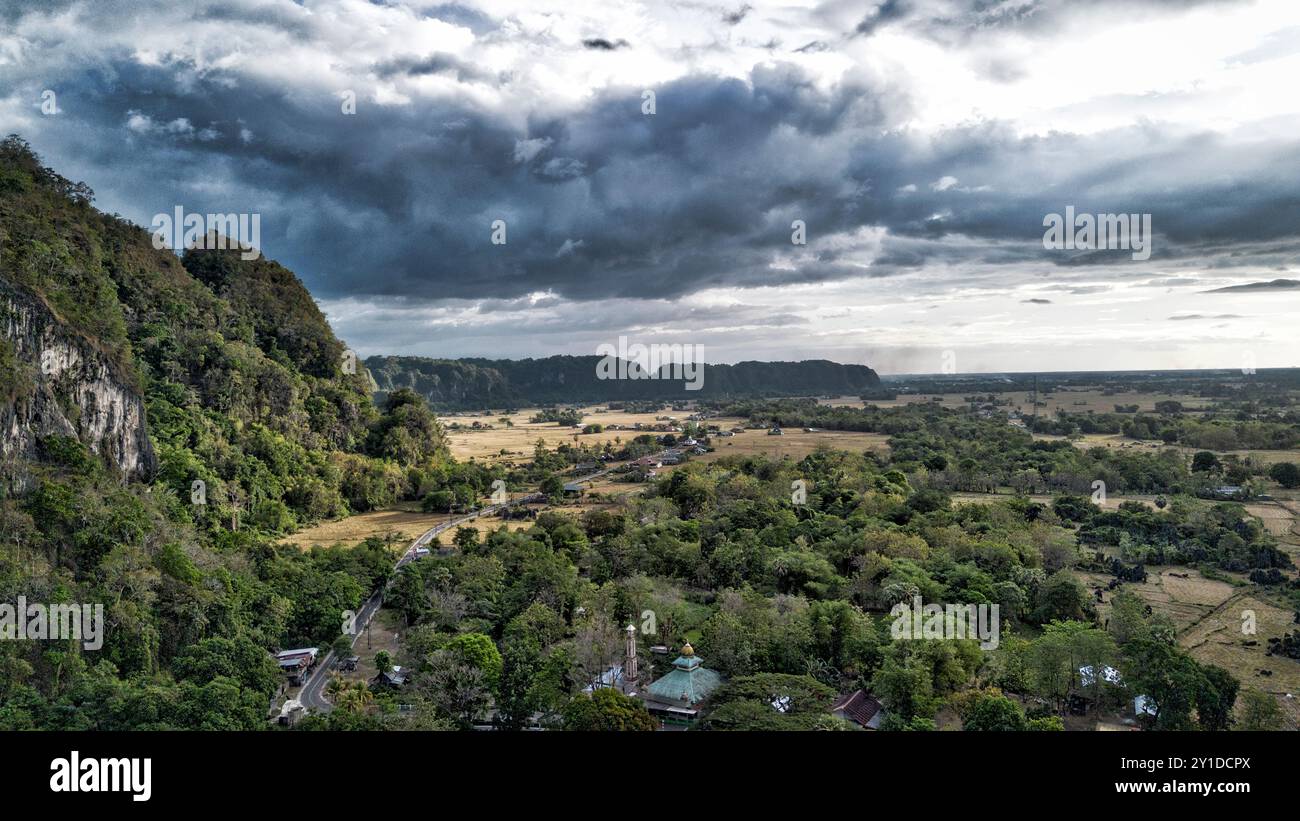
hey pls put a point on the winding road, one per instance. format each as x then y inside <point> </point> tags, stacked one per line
<point>312,694</point>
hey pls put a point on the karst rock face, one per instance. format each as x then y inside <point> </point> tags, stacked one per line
<point>65,386</point>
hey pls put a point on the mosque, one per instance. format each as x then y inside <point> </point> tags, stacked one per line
<point>674,698</point>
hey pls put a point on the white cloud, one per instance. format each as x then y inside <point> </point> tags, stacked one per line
<point>526,150</point>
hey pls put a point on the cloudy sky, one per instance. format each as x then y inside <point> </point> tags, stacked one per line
<point>921,143</point>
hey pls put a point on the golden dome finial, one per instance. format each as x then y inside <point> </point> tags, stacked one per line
<point>687,649</point>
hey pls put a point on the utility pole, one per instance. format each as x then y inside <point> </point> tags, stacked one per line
<point>1033,423</point>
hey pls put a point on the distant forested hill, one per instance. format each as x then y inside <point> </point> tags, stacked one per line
<point>484,383</point>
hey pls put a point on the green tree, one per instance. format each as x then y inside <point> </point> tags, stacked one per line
<point>1205,462</point>
<point>1286,474</point>
<point>519,698</point>
<point>552,487</point>
<point>1166,675</point>
<point>238,659</point>
<point>342,646</point>
<point>906,685</point>
<point>1260,711</point>
<point>1215,698</point>
<point>746,703</point>
<point>994,713</point>
<point>606,710</point>
<point>480,652</point>
<point>1060,597</point>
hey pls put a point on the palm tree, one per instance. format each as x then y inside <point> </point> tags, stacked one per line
<point>356,697</point>
<point>335,686</point>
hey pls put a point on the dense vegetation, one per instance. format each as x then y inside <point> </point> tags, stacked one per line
<point>792,598</point>
<point>973,450</point>
<point>245,393</point>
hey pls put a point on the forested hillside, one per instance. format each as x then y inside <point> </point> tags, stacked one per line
<point>128,375</point>
<point>452,384</point>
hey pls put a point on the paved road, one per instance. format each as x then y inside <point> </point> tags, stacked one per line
<point>312,695</point>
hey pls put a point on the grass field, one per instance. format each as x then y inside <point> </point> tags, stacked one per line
<point>520,437</point>
<point>518,441</point>
<point>401,524</point>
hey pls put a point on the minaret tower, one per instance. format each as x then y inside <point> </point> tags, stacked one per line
<point>629,663</point>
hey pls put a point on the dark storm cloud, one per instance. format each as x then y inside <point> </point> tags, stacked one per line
<point>601,44</point>
<point>700,194</point>
<point>814,47</point>
<point>602,201</point>
<point>434,64</point>
<point>884,13</point>
<point>732,18</point>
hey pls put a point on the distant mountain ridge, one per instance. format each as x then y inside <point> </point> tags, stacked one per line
<point>466,384</point>
<point>1274,285</point>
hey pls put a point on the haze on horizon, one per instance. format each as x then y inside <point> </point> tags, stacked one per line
<point>922,142</point>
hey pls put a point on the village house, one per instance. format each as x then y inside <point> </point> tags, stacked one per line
<point>295,664</point>
<point>291,712</point>
<point>393,678</point>
<point>860,708</point>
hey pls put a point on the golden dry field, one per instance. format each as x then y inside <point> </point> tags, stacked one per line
<point>794,443</point>
<point>1181,593</point>
<point>404,523</point>
<point>518,441</point>
<point>520,437</point>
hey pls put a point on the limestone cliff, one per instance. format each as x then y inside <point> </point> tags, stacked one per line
<point>60,384</point>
